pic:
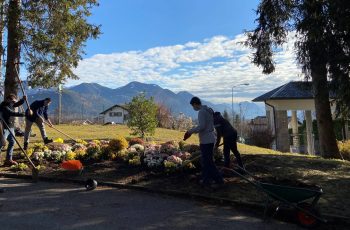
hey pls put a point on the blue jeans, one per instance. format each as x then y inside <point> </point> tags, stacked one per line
<point>209,170</point>
<point>11,140</point>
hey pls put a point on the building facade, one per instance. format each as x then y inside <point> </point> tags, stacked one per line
<point>116,114</point>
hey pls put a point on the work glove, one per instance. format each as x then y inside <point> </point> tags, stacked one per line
<point>187,135</point>
<point>30,112</point>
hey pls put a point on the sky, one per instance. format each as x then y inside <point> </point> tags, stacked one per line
<point>181,45</point>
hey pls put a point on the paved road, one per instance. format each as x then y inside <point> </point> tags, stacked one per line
<point>47,206</point>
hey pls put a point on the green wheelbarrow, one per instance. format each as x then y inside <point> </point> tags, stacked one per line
<point>303,200</point>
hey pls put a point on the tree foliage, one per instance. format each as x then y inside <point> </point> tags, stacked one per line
<point>226,115</point>
<point>143,115</point>
<point>322,37</point>
<point>322,46</point>
<point>49,36</point>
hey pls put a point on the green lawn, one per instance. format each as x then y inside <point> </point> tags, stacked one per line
<point>90,132</point>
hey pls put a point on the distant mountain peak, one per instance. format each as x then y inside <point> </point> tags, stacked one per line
<point>93,98</point>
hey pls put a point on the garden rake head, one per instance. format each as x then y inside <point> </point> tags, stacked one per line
<point>35,174</point>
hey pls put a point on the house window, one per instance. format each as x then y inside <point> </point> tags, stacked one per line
<point>115,114</point>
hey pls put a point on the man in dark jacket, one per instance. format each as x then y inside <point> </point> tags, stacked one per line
<point>224,129</point>
<point>8,115</point>
<point>39,113</point>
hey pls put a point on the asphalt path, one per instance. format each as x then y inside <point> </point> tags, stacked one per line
<point>45,206</point>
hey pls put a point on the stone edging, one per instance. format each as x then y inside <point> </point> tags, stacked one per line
<point>212,199</point>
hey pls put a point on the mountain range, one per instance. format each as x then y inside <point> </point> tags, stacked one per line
<point>87,100</point>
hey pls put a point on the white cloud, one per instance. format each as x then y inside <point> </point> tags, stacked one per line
<point>208,69</point>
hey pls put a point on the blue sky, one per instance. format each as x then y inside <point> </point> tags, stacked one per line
<point>143,24</point>
<point>191,45</point>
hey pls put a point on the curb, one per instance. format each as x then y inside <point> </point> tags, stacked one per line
<point>331,219</point>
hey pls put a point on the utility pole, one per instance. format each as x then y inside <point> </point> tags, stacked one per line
<point>240,119</point>
<point>59,103</point>
<point>233,114</point>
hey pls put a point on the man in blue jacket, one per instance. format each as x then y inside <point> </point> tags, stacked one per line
<point>39,113</point>
<point>8,114</point>
<point>206,133</point>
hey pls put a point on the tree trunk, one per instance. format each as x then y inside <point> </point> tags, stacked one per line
<point>2,26</point>
<point>13,47</point>
<point>327,139</point>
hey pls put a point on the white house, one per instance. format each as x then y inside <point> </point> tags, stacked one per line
<point>116,114</point>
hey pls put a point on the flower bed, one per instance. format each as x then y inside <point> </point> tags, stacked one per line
<point>165,157</point>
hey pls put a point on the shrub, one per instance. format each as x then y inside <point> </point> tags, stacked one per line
<point>70,155</point>
<point>142,113</point>
<point>168,147</point>
<point>30,151</point>
<point>118,144</point>
<point>80,154</point>
<point>138,147</point>
<point>80,141</point>
<point>122,155</point>
<point>59,140</point>
<point>170,166</point>
<point>38,147</point>
<point>57,155</point>
<point>59,147</point>
<point>135,161</point>
<point>188,165</point>
<point>38,156</point>
<point>40,167</point>
<point>106,154</point>
<point>97,142</point>
<point>344,149</point>
<point>182,145</point>
<point>136,140</point>
<point>261,138</point>
<point>174,159</point>
<point>173,143</point>
<point>19,167</point>
<point>191,148</point>
<point>78,146</point>
<point>93,152</point>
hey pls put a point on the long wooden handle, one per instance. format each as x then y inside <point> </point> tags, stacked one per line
<point>58,130</point>
<point>20,84</point>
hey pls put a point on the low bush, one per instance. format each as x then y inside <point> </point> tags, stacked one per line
<point>261,138</point>
<point>136,140</point>
<point>118,144</point>
<point>344,149</point>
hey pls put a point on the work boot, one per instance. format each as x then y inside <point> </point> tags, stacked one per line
<point>47,140</point>
<point>9,163</point>
<point>25,145</point>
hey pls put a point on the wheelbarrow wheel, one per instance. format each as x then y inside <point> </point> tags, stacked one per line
<point>304,219</point>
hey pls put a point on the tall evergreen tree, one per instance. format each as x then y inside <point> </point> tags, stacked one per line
<point>49,36</point>
<point>322,47</point>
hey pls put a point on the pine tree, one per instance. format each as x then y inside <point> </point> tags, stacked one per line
<point>49,36</point>
<point>322,47</point>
